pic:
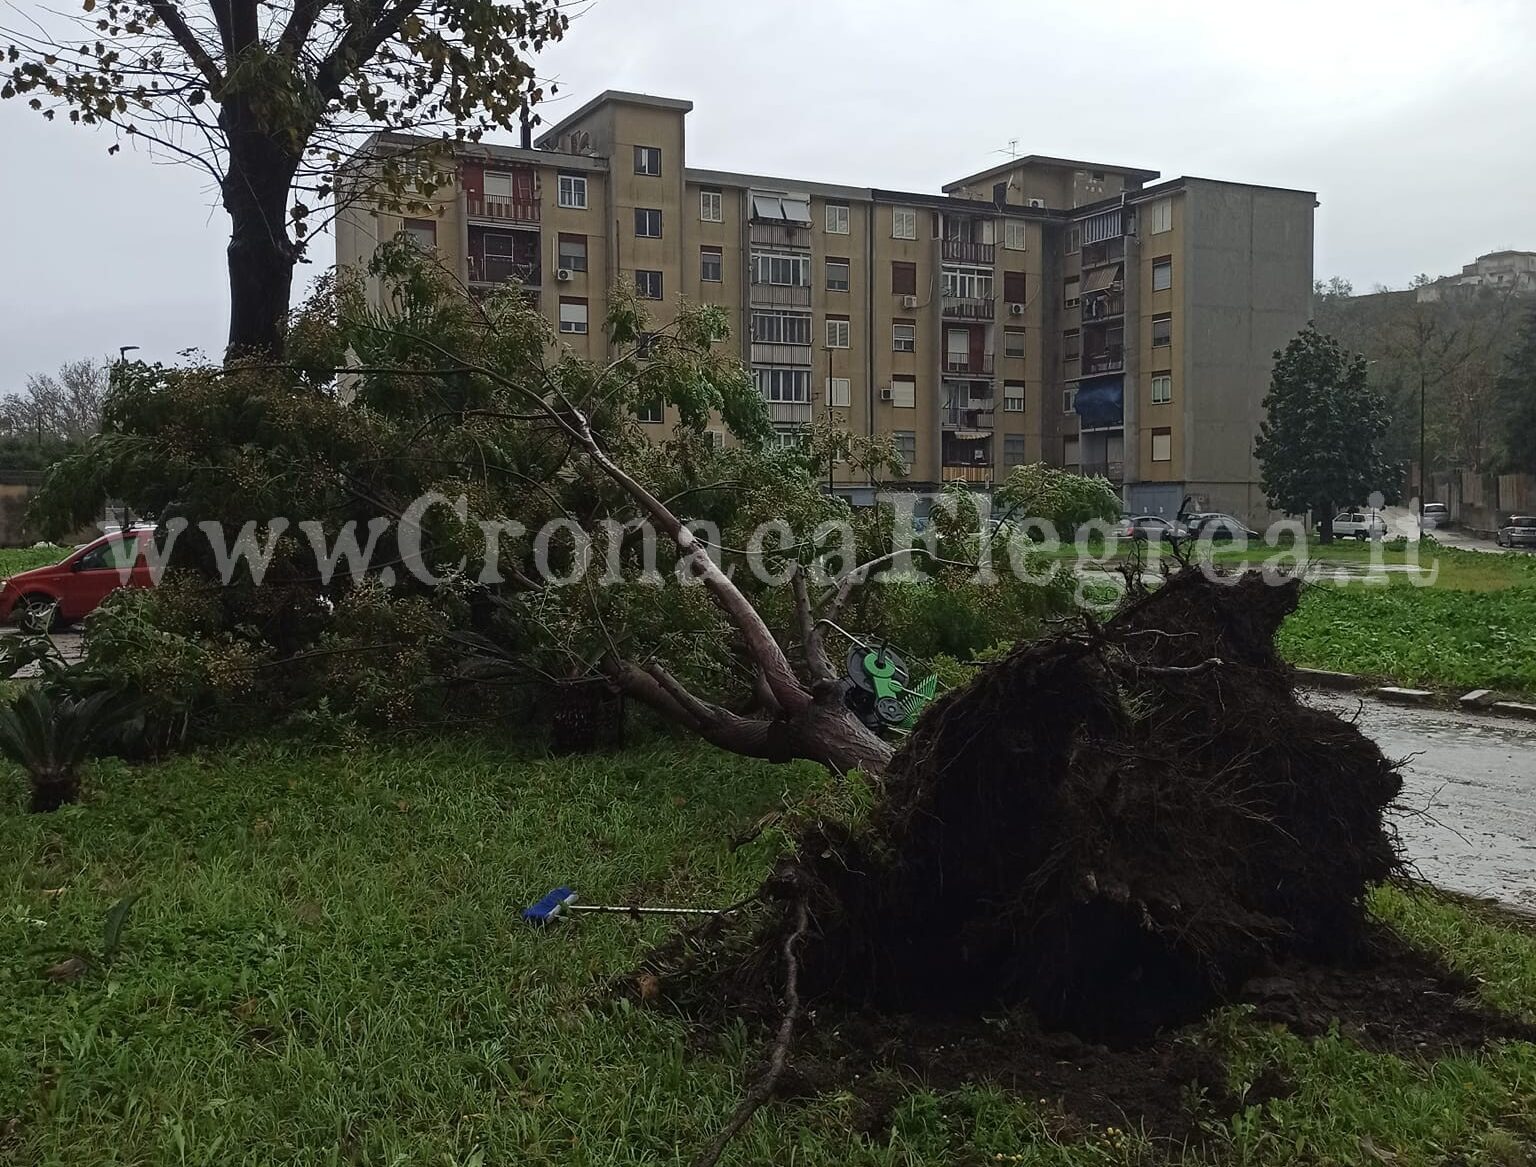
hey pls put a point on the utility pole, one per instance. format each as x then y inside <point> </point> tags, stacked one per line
<point>1423,469</point>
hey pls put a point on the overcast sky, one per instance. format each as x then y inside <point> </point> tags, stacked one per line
<point>1412,119</point>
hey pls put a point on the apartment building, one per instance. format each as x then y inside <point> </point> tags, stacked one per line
<point>1046,309</point>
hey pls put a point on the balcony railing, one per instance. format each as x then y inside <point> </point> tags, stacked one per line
<point>967,417</point>
<point>502,269</point>
<point>503,210</point>
<point>1114,471</point>
<point>1098,254</point>
<point>1111,360</point>
<point>789,412</point>
<point>780,235</point>
<point>979,364</point>
<point>964,251</point>
<point>969,308</point>
<point>976,472</point>
<point>1104,306</point>
<point>780,296</point>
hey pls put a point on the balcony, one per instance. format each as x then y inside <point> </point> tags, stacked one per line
<point>780,235</point>
<point>964,251</point>
<point>503,210</point>
<point>789,412</point>
<point>1114,471</point>
<point>1111,360</point>
<point>502,269</point>
<point>1103,306</point>
<point>780,296</point>
<point>969,308</point>
<point>1099,254</point>
<point>969,364</point>
<point>980,473</point>
<point>967,417</point>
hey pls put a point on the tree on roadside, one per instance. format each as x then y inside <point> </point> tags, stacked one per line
<point>59,409</point>
<point>1319,445</point>
<point>268,97</point>
<point>1517,402</point>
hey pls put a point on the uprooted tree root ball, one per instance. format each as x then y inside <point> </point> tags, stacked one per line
<point>1114,827</point>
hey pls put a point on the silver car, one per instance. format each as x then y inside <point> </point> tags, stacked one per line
<point>1520,531</point>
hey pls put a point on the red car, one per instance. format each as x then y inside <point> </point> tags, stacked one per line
<point>46,598</point>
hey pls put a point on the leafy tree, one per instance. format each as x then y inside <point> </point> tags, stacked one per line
<point>267,97</point>
<point>1319,444</point>
<point>60,409</point>
<point>1063,499</point>
<point>1517,402</point>
<point>371,410</point>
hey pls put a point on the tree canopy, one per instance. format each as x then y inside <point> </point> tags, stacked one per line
<point>269,97</point>
<point>1517,401</point>
<point>1320,443</point>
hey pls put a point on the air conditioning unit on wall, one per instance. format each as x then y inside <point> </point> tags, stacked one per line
<point>563,275</point>
<point>909,301</point>
<point>1015,309</point>
<point>1037,203</point>
<point>887,395</point>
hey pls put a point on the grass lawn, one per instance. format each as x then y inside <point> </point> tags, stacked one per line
<point>14,559</point>
<point>325,965</point>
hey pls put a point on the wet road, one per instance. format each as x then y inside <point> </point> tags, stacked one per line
<point>1469,789</point>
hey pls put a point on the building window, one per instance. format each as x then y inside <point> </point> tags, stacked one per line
<point>968,283</point>
<point>904,337</point>
<point>1013,450</point>
<point>1162,445</point>
<point>1162,388</point>
<point>711,209</point>
<point>903,279</point>
<point>839,392</point>
<point>573,314</point>
<point>1069,451</point>
<point>1013,287</point>
<point>1013,396</point>
<point>572,252</point>
<point>648,160</point>
<point>573,192</point>
<point>647,223</point>
<point>1074,240</point>
<point>648,284</point>
<point>711,265</point>
<point>1068,400</point>
<point>1160,216</point>
<point>905,442</point>
<point>788,271</point>
<point>904,392</point>
<point>422,232</point>
<point>651,412</point>
<point>903,223</point>
<point>837,333</point>
<point>1069,292</point>
<point>1013,342</point>
<point>1015,234</point>
<point>787,437</point>
<point>781,327</point>
<point>1162,330</point>
<point>1162,273</point>
<point>1071,345</point>
<point>837,219</point>
<point>837,275</point>
<point>784,386</point>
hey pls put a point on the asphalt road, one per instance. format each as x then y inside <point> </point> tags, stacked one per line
<point>1468,816</point>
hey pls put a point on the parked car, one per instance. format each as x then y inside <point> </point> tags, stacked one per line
<point>1152,527</point>
<point>1520,531</point>
<point>1434,514</point>
<point>47,598</point>
<point>1218,528</point>
<point>1360,525</point>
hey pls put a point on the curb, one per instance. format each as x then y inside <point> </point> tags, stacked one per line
<point>1475,701</point>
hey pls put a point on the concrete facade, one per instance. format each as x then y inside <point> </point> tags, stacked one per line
<point>1042,310</point>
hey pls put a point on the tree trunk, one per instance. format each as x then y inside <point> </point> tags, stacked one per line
<point>261,256</point>
<point>1325,525</point>
<point>51,792</point>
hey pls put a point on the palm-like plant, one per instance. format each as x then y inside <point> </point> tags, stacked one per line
<point>50,736</point>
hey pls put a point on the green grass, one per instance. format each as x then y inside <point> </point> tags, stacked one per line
<point>14,559</point>
<point>325,966</point>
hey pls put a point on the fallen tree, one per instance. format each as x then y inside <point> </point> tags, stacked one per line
<point>1114,826</point>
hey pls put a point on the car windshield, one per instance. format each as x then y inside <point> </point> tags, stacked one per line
<point>1522,520</point>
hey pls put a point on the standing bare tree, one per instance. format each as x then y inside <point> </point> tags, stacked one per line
<point>267,98</point>
<point>65,408</point>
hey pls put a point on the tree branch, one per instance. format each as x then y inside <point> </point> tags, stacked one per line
<point>184,36</point>
<point>816,662</point>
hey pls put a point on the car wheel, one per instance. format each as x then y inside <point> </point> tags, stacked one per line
<point>1361,536</point>
<point>37,615</point>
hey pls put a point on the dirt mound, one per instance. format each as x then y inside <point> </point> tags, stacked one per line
<point>1115,827</point>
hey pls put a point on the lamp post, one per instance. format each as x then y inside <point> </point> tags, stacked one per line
<point>1423,469</point>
